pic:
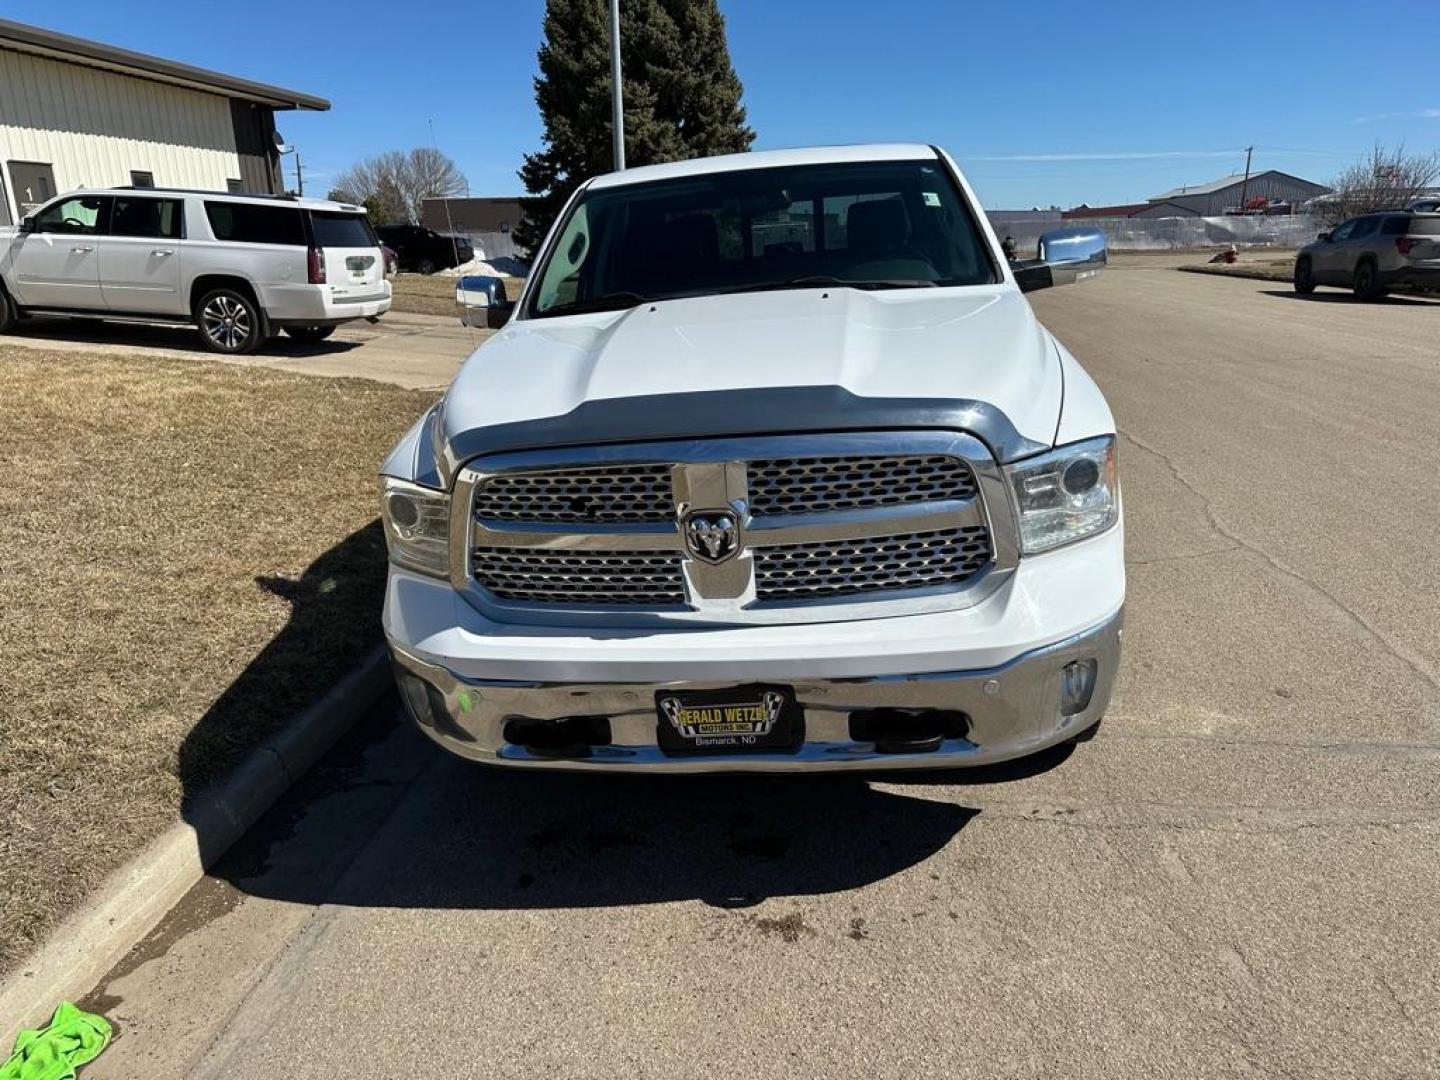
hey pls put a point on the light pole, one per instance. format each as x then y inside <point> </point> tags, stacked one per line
<point>617,93</point>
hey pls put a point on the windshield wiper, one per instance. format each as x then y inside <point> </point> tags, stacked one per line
<point>819,281</point>
<point>613,301</point>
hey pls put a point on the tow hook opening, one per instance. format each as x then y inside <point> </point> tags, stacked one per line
<point>908,731</point>
<point>569,736</point>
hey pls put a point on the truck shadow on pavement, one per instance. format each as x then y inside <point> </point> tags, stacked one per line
<point>388,820</point>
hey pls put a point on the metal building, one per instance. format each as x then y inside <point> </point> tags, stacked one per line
<point>77,113</point>
<point>1230,193</point>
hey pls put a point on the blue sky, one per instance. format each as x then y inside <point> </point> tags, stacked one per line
<point>1042,103</point>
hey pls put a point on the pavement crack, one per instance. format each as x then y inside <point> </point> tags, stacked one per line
<point>1191,556</point>
<point>1417,665</point>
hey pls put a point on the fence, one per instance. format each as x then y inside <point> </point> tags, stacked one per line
<point>1177,233</point>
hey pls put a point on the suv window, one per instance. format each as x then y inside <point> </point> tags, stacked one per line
<point>1395,226</point>
<point>334,229</point>
<point>158,218</point>
<point>1428,225</point>
<point>1364,227</point>
<point>83,215</point>
<point>1342,232</point>
<point>252,223</point>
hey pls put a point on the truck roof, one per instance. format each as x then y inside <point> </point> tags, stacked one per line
<point>765,159</point>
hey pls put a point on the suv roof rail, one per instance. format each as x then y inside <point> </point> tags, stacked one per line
<point>285,197</point>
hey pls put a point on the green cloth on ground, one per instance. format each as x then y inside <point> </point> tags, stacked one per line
<point>55,1052</point>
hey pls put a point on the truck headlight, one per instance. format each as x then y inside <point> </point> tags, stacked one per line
<point>1066,495</point>
<point>417,526</point>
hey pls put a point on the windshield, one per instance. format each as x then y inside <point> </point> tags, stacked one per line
<point>872,225</point>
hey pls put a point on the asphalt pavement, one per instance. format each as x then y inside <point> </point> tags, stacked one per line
<point>1236,877</point>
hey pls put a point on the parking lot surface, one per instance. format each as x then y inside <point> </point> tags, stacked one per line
<point>1236,877</point>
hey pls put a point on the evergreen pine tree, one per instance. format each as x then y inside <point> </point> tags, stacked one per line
<point>682,96</point>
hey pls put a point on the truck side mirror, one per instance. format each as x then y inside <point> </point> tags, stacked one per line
<point>27,223</point>
<point>481,301</point>
<point>1324,237</point>
<point>1065,256</point>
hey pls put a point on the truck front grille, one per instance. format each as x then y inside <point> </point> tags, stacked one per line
<point>851,567</point>
<point>820,521</point>
<point>817,485</point>
<point>615,494</point>
<point>645,578</point>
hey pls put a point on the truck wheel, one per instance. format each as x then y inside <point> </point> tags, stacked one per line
<point>8,315</point>
<point>1304,277</point>
<point>309,334</point>
<point>425,266</point>
<point>228,322</point>
<point>1367,282</point>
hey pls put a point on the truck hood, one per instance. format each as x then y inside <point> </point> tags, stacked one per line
<point>815,359</point>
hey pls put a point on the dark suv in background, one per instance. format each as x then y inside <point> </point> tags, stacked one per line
<point>1373,254</point>
<point>424,250</point>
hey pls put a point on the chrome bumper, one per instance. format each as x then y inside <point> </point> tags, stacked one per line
<point>1011,710</point>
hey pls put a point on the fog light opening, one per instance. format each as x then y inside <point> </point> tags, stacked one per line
<point>1077,686</point>
<point>413,695</point>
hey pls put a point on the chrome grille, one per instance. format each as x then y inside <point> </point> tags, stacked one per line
<point>649,578</point>
<point>849,567</point>
<point>610,495</point>
<point>828,527</point>
<point>821,484</point>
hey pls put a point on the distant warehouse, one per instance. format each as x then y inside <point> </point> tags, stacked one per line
<point>77,113</point>
<point>1270,190</point>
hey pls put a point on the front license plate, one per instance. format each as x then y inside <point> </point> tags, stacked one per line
<point>755,717</point>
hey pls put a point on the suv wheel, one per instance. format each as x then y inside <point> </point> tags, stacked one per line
<point>309,334</point>
<point>228,322</point>
<point>425,266</point>
<point>1367,282</point>
<point>8,315</point>
<point>1304,277</point>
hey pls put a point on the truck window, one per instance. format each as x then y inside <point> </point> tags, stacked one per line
<point>881,224</point>
<point>253,223</point>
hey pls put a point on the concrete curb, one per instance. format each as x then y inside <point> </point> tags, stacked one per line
<point>132,900</point>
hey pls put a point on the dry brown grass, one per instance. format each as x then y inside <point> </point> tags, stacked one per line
<point>1263,267</point>
<point>435,294</point>
<point>188,555</point>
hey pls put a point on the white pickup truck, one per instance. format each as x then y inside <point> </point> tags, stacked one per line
<point>771,467</point>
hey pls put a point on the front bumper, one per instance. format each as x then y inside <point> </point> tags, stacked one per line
<point>1010,710</point>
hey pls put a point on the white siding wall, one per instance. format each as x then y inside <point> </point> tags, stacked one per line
<point>94,126</point>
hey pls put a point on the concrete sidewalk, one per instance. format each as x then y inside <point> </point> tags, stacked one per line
<point>414,351</point>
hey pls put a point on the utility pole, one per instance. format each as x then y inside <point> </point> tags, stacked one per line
<point>1245,184</point>
<point>617,93</point>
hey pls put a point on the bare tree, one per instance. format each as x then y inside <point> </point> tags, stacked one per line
<point>429,174</point>
<point>394,185</point>
<point>1386,179</point>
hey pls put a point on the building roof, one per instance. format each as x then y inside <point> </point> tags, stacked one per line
<point>33,39</point>
<point>1233,180</point>
<point>766,159</point>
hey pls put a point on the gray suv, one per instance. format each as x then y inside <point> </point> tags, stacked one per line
<point>1373,254</point>
<point>240,268</point>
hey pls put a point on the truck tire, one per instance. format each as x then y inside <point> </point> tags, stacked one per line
<point>1304,277</point>
<point>425,266</point>
<point>309,335</point>
<point>8,315</point>
<point>229,322</point>
<point>1367,282</point>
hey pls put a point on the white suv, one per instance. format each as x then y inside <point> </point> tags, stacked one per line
<point>241,268</point>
